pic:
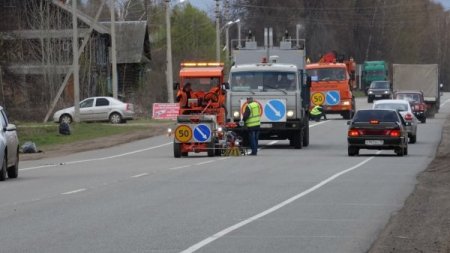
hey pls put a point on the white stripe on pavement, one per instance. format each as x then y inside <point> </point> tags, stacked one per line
<point>232,228</point>
<point>97,159</point>
<point>445,102</point>
<point>75,191</point>
<point>139,175</point>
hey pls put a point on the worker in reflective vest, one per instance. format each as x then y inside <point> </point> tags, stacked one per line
<point>184,95</point>
<point>317,113</point>
<point>252,121</point>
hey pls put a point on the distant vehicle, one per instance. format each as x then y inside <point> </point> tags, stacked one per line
<point>424,77</point>
<point>9,148</point>
<point>404,108</point>
<point>98,109</point>
<point>379,90</point>
<point>377,129</point>
<point>374,71</point>
<point>416,100</point>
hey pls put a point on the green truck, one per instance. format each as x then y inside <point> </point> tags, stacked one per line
<point>374,71</point>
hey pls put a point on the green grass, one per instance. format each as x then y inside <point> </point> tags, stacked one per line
<point>45,135</point>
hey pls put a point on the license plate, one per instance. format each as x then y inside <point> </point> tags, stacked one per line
<point>266,125</point>
<point>374,142</point>
<point>378,96</point>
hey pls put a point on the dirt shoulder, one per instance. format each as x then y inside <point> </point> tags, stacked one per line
<point>97,143</point>
<point>423,224</point>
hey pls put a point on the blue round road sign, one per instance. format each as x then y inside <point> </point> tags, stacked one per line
<point>202,133</point>
<point>333,97</point>
<point>274,110</point>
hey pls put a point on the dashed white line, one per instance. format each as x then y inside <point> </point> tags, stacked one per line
<point>140,175</point>
<point>96,159</point>
<point>232,228</point>
<point>205,162</point>
<point>180,167</point>
<point>74,191</point>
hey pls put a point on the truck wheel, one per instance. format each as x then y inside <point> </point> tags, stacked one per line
<point>347,114</point>
<point>306,134</point>
<point>297,139</point>
<point>176,150</point>
<point>424,120</point>
<point>211,149</point>
<point>369,100</point>
<point>412,139</point>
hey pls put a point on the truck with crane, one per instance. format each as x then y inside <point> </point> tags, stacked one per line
<point>275,77</point>
<point>332,80</point>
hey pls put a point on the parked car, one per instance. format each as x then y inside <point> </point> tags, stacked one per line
<point>379,90</point>
<point>415,99</point>
<point>9,148</point>
<point>98,109</point>
<point>377,129</point>
<point>405,110</point>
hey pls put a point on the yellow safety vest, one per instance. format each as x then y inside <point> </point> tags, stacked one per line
<point>254,119</point>
<point>315,110</point>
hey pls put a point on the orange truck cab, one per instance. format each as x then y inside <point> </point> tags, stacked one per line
<point>201,95</point>
<point>331,85</point>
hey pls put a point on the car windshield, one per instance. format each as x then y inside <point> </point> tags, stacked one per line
<point>373,73</point>
<point>379,85</point>
<point>392,106</point>
<point>202,84</point>
<point>379,115</point>
<point>263,81</point>
<point>409,97</point>
<point>327,74</point>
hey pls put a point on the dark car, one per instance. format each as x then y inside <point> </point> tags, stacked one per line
<point>415,99</point>
<point>377,129</point>
<point>379,90</point>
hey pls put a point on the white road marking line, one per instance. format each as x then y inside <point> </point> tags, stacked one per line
<point>319,123</point>
<point>445,102</point>
<point>236,226</point>
<point>75,191</point>
<point>97,159</point>
<point>139,175</point>
<point>180,167</point>
<point>205,162</point>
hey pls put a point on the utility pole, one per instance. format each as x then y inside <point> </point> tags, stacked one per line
<point>217,31</point>
<point>113,50</point>
<point>76,77</point>
<point>169,71</point>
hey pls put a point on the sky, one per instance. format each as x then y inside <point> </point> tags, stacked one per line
<point>208,5</point>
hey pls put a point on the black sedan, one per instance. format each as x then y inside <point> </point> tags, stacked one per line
<point>377,129</point>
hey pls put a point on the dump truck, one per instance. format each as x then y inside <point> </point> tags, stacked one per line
<point>332,80</point>
<point>373,71</point>
<point>421,77</point>
<point>275,77</point>
<point>201,118</point>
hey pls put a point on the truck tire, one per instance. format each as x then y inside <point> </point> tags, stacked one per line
<point>297,139</point>
<point>306,135</point>
<point>424,120</point>
<point>412,139</point>
<point>211,149</point>
<point>176,150</point>
<point>347,114</point>
<point>369,100</point>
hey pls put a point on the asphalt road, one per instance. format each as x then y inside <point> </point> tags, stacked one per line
<point>138,198</point>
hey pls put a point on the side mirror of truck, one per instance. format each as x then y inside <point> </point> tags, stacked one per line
<point>176,85</point>
<point>225,86</point>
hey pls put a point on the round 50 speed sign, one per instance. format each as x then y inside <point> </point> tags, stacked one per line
<point>317,98</point>
<point>183,133</point>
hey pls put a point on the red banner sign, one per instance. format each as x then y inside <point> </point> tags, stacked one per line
<point>165,110</point>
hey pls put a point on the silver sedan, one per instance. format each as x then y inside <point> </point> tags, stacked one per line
<point>98,109</point>
<point>9,148</point>
<point>405,110</point>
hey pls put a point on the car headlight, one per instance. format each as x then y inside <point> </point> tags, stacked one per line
<point>236,114</point>
<point>386,92</point>
<point>290,113</point>
<point>346,103</point>
<point>370,92</point>
<point>219,129</point>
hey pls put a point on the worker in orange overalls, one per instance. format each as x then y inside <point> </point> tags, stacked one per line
<point>184,95</point>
